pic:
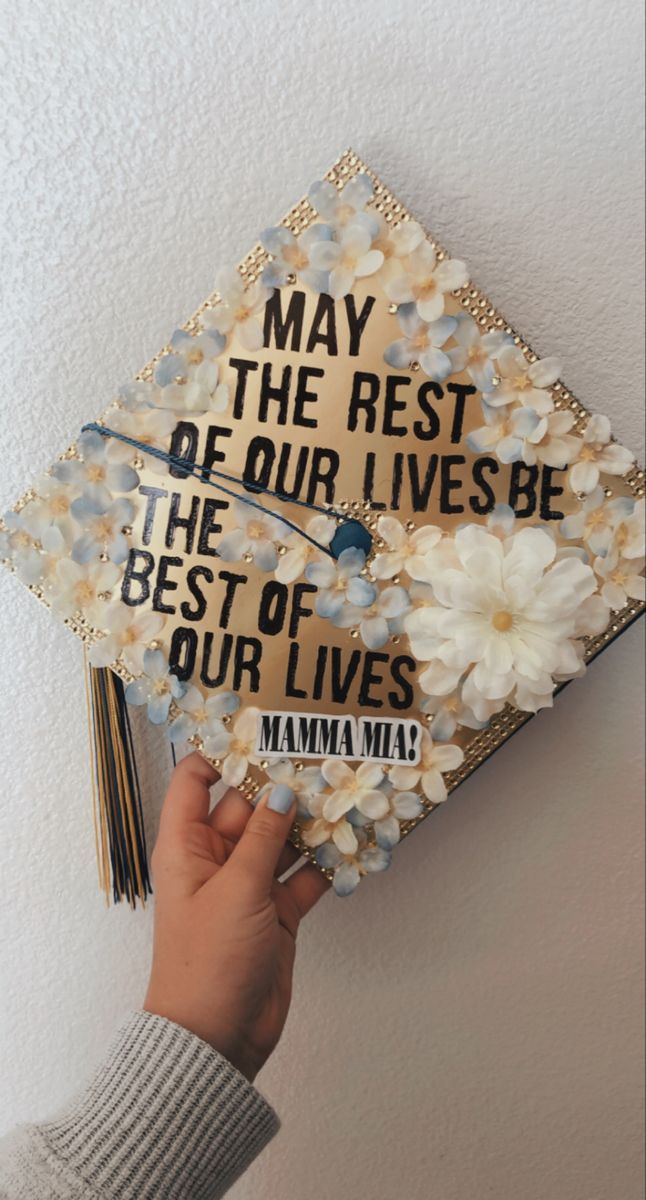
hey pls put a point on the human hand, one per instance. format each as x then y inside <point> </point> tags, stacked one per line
<point>225,928</point>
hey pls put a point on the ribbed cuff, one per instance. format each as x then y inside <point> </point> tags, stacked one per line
<point>165,1117</point>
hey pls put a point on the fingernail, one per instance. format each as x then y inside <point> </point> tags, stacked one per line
<point>281,798</point>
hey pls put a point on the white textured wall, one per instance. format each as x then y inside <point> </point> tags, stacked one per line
<point>469,1025</point>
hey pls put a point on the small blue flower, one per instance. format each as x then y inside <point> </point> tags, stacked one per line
<point>155,688</point>
<point>291,256</point>
<point>340,583</point>
<point>95,473</point>
<point>422,343</point>
<point>349,868</point>
<point>102,525</point>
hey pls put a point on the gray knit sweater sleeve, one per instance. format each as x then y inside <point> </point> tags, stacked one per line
<point>165,1117</point>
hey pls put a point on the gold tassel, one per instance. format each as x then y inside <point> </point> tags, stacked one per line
<point>118,818</point>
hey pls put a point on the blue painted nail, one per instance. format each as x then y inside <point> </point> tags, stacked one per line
<point>281,798</point>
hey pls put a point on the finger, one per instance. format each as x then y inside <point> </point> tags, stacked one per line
<point>229,818</point>
<point>187,799</point>
<point>305,887</point>
<point>264,837</point>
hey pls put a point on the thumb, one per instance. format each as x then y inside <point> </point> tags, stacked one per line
<point>265,834</point>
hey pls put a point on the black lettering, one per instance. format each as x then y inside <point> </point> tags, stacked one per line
<point>153,494</point>
<point>135,574</point>
<point>528,489</point>
<point>182,653</point>
<point>360,401</point>
<point>323,331</point>
<point>393,405</point>
<point>176,522</point>
<point>278,327</point>
<point>357,321</point>
<point>192,576</point>
<point>479,467</point>
<point>547,491</point>
<point>304,397</point>
<point>242,366</point>
<point>164,584</point>
<point>448,484</point>
<point>460,391</point>
<point>427,434</point>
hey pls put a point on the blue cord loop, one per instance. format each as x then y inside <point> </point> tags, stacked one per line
<point>355,534</point>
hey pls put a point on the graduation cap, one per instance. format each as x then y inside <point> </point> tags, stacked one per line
<point>344,534</point>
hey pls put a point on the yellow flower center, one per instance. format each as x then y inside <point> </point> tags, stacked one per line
<point>59,504</point>
<point>522,383</point>
<point>84,592</point>
<point>195,356</point>
<point>502,621</point>
<point>587,454</point>
<point>242,313</point>
<point>420,341</point>
<point>161,687</point>
<point>256,529</point>
<point>103,529</point>
<point>295,257</point>
<point>95,472</point>
<point>425,288</point>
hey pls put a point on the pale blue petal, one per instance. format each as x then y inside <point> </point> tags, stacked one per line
<point>118,549</point>
<point>328,856</point>
<point>182,728</point>
<point>154,663</point>
<point>328,605</point>
<point>168,368</point>
<point>436,364</point>
<point>276,238</point>
<point>375,859</point>
<point>158,708</point>
<point>85,549</point>
<point>351,561</point>
<point>121,478</point>
<point>387,832</point>
<point>398,354</point>
<point>346,878</point>
<point>360,592</point>
<point>138,691</point>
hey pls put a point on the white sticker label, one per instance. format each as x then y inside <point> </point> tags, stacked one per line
<point>316,735</point>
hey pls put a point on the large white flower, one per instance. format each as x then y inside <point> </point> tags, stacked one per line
<point>358,789</point>
<point>201,716</point>
<point>235,747</point>
<point>348,258</point>
<point>83,589</point>
<point>422,343</point>
<point>300,551</point>
<point>429,773</point>
<point>598,521</point>
<point>508,610</point>
<point>476,352</point>
<point>522,382</point>
<point>291,256</point>
<point>128,633</point>
<point>254,538</point>
<point>189,377</point>
<point>423,281</point>
<point>521,434</point>
<point>621,579</point>
<point>598,454</point>
<point>239,309</point>
<point>404,546</point>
